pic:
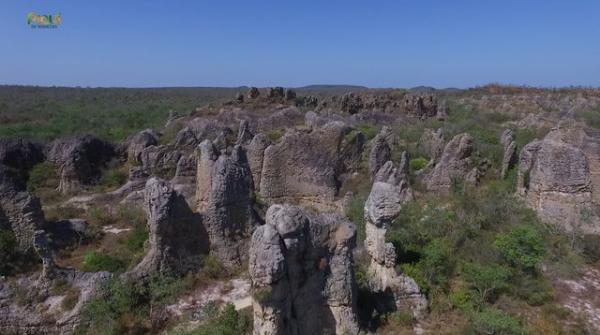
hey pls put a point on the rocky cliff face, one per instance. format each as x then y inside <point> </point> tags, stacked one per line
<point>390,190</point>
<point>559,177</point>
<point>510,157</point>
<point>224,193</point>
<point>301,272</point>
<point>381,150</point>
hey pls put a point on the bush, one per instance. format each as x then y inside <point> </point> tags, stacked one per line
<point>226,321</point>
<point>368,129</point>
<point>418,163</point>
<point>70,299</point>
<point>101,216</point>
<point>113,178</point>
<point>212,267</point>
<point>94,262</point>
<point>522,246</point>
<point>356,213</point>
<point>262,294</point>
<point>8,251</point>
<point>591,248</point>
<point>43,175</point>
<point>275,134</point>
<point>486,280</point>
<point>436,262</point>
<point>493,321</point>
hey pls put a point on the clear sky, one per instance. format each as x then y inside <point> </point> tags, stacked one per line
<point>294,43</point>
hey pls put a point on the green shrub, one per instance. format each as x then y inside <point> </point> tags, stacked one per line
<point>94,262</point>
<point>418,163</point>
<point>224,321</point>
<point>486,280</point>
<point>493,321</point>
<point>533,289</point>
<point>436,262</point>
<point>101,216</point>
<point>523,246</point>
<point>591,248</point>
<point>212,267</point>
<point>113,178</point>
<point>356,213</point>
<point>164,289</point>
<point>8,251</point>
<point>43,175</point>
<point>368,129</point>
<point>462,299</point>
<point>401,318</point>
<point>591,117</point>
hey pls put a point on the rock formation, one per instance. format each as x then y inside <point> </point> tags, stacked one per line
<point>80,160</point>
<point>20,155</point>
<point>305,166</point>
<point>381,151</point>
<point>256,152</point>
<point>559,177</point>
<point>176,236</point>
<point>432,143</point>
<point>510,157</point>
<point>389,192</point>
<point>454,164</point>
<point>253,93</point>
<point>244,133</point>
<point>224,193</point>
<point>138,142</point>
<point>302,275</point>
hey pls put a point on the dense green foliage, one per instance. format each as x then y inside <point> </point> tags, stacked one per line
<point>94,262</point>
<point>222,321</point>
<point>111,113</point>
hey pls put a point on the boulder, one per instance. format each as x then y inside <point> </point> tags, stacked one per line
<point>244,133</point>
<point>276,92</point>
<point>351,103</point>
<point>80,160</point>
<point>559,177</point>
<point>381,151</point>
<point>225,192</point>
<point>177,239</point>
<point>302,275</point>
<point>20,155</point>
<point>510,157</point>
<point>305,166</point>
<point>432,143</point>
<point>454,164</point>
<point>389,192</point>
<point>160,160</point>
<point>138,142</point>
<point>253,93</point>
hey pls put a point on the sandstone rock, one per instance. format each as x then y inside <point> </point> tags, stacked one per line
<point>390,191</point>
<point>276,92</point>
<point>239,97</point>
<point>255,152</point>
<point>381,151</point>
<point>176,235</point>
<point>138,142</point>
<point>454,164</point>
<point>225,192</point>
<point>22,213</point>
<point>186,137</point>
<point>432,143</point>
<point>351,103</point>
<point>558,177</point>
<point>510,157</point>
<point>40,243</point>
<point>80,160</point>
<point>20,155</point>
<point>253,93</point>
<point>244,133</point>
<point>302,275</point>
<point>304,166</point>
<point>160,160</point>
<point>290,94</point>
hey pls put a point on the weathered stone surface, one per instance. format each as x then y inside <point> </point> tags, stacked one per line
<point>20,155</point>
<point>160,160</point>
<point>40,244</point>
<point>390,191</point>
<point>302,275</point>
<point>510,158</point>
<point>20,212</point>
<point>256,152</point>
<point>559,177</point>
<point>244,133</point>
<point>290,94</point>
<point>351,103</point>
<point>138,142</point>
<point>176,236</point>
<point>253,93</point>
<point>186,137</point>
<point>432,143</point>
<point>224,193</point>
<point>381,151</point>
<point>276,92</point>
<point>454,164</point>
<point>80,160</point>
<point>304,167</point>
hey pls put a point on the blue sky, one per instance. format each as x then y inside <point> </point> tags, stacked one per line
<point>294,43</point>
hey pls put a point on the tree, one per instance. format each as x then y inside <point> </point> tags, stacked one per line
<point>522,247</point>
<point>486,279</point>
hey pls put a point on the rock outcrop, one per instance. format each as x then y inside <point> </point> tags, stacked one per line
<point>253,93</point>
<point>559,177</point>
<point>138,142</point>
<point>389,192</point>
<point>20,155</point>
<point>256,153</point>
<point>302,275</point>
<point>381,151</point>
<point>80,160</point>
<point>454,164</point>
<point>510,158</point>
<point>224,193</point>
<point>176,236</point>
<point>305,166</point>
<point>431,143</point>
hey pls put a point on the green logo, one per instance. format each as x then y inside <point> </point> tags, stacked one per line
<point>43,21</point>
